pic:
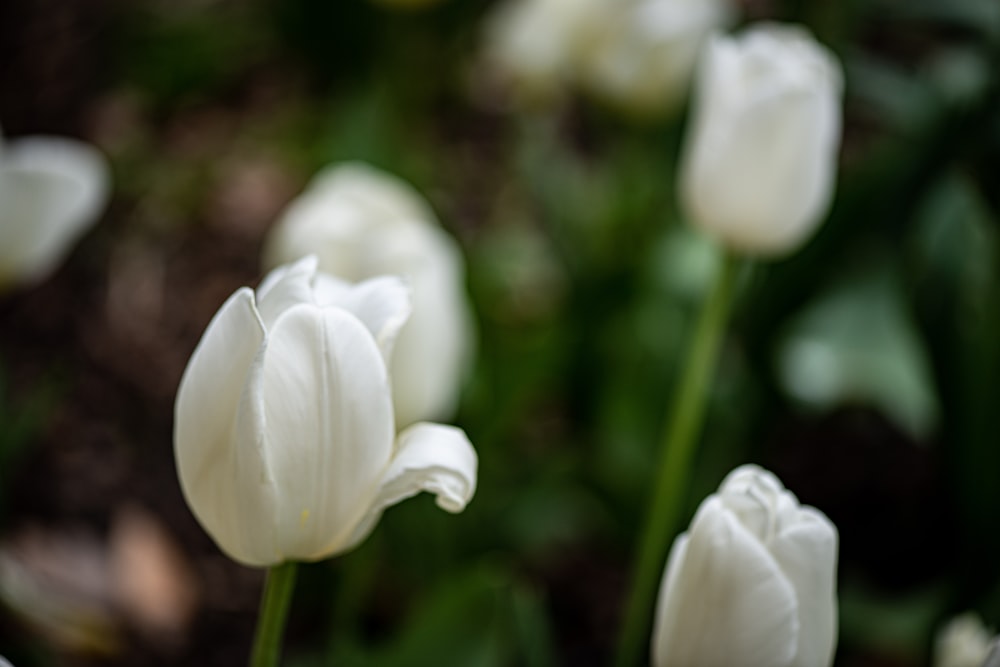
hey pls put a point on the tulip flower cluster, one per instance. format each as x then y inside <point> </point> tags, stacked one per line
<point>637,55</point>
<point>286,418</point>
<point>609,257</point>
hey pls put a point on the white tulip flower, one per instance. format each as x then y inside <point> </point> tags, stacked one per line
<point>760,159</point>
<point>964,642</point>
<point>752,583</point>
<point>646,51</point>
<point>361,222</point>
<point>51,190</point>
<point>537,45</point>
<point>284,435</point>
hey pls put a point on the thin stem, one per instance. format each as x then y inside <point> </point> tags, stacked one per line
<point>687,413</point>
<point>273,612</point>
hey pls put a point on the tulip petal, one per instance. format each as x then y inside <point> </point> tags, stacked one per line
<point>382,304</point>
<point>429,457</point>
<point>209,443</point>
<point>724,601</point>
<point>806,551</point>
<point>285,287</point>
<point>433,348</point>
<point>51,188</point>
<point>325,399</point>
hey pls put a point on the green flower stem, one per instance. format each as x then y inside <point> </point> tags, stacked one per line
<point>680,436</point>
<point>273,612</point>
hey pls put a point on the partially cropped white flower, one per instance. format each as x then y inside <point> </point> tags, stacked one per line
<point>760,159</point>
<point>963,642</point>
<point>4,663</point>
<point>645,52</point>
<point>361,223</point>
<point>51,190</point>
<point>752,583</point>
<point>536,45</point>
<point>284,434</point>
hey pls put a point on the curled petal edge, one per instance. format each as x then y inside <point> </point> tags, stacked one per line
<point>429,457</point>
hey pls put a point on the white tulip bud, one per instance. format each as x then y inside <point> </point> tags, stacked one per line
<point>51,190</point>
<point>964,642</point>
<point>760,158</point>
<point>646,50</point>
<point>752,583</point>
<point>361,223</point>
<point>284,435</point>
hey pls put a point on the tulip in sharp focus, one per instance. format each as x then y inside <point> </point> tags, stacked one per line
<point>51,190</point>
<point>360,223</point>
<point>760,158</point>
<point>751,583</point>
<point>284,434</point>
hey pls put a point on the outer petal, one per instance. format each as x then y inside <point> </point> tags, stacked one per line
<point>429,457</point>
<point>726,603</point>
<point>52,189</point>
<point>806,551</point>
<point>434,347</point>
<point>221,467</point>
<point>325,399</point>
<point>772,209</point>
<point>382,304</point>
<point>669,605</point>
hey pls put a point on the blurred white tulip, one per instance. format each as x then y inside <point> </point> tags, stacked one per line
<point>4,663</point>
<point>284,435</point>
<point>646,50</point>
<point>51,190</point>
<point>963,642</point>
<point>760,159</point>
<point>536,46</point>
<point>361,222</point>
<point>752,583</point>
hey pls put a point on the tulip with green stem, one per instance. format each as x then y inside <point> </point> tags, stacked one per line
<point>678,447</point>
<point>284,436</point>
<point>757,175</point>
